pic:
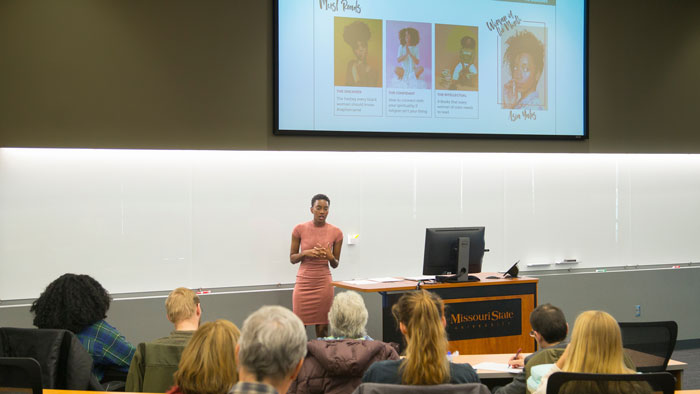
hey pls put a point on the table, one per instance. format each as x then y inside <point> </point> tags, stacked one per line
<point>488,316</point>
<point>674,367</point>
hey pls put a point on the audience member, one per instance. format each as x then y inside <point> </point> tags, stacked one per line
<point>270,352</point>
<point>596,347</point>
<point>421,319</point>
<point>155,362</point>
<point>208,363</point>
<point>79,303</point>
<point>549,328</point>
<point>336,364</point>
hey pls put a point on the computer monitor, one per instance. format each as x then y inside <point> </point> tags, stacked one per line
<point>454,250</point>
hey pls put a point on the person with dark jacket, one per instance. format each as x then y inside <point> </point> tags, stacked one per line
<point>420,316</point>
<point>336,364</point>
<point>549,328</point>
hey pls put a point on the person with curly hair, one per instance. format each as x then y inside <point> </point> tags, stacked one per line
<point>464,75</point>
<point>79,303</point>
<point>525,60</point>
<point>408,58</point>
<point>359,71</point>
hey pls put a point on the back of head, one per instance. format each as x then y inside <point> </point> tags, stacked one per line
<point>181,304</point>
<point>550,322</point>
<point>71,302</point>
<point>596,345</point>
<point>348,316</point>
<point>273,342</point>
<point>422,312</point>
<point>208,363</point>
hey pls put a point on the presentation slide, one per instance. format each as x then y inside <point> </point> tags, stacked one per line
<point>459,67</point>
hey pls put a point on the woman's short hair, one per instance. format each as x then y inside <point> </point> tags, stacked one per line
<point>320,197</point>
<point>348,316</point>
<point>208,363</point>
<point>181,304</point>
<point>415,36</point>
<point>71,302</point>
<point>273,342</point>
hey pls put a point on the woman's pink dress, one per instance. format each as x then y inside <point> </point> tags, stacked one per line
<point>313,293</point>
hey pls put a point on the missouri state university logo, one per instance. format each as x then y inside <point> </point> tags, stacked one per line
<point>484,319</point>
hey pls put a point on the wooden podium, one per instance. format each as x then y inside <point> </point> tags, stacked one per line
<point>489,316</point>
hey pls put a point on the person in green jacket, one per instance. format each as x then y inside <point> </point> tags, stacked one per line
<point>155,362</point>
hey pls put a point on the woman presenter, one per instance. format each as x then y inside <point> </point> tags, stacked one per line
<point>315,244</point>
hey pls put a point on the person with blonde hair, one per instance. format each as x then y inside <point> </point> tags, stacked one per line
<point>336,364</point>
<point>421,319</point>
<point>595,347</point>
<point>155,362</point>
<point>208,363</point>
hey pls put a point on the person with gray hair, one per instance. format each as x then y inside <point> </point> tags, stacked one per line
<point>270,351</point>
<point>348,317</point>
<point>336,364</point>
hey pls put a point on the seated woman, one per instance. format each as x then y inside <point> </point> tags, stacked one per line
<point>208,363</point>
<point>335,364</point>
<point>421,319</point>
<point>595,347</point>
<point>79,303</point>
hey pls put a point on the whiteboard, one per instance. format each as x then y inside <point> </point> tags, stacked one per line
<point>144,220</point>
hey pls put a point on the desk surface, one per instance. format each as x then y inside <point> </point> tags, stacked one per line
<point>411,284</point>
<point>474,359</point>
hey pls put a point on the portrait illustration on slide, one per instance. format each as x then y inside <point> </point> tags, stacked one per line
<point>456,60</point>
<point>408,55</point>
<point>523,70</point>
<point>358,52</point>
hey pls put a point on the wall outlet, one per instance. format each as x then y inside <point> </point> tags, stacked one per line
<point>637,310</point>
<point>353,239</point>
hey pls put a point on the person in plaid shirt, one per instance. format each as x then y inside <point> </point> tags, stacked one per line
<point>78,303</point>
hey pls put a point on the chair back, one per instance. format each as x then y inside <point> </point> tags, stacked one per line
<point>384,388</point>
<point>65,364</point>
<point>20,375</point>
<point>161,362</point>
<point>649,344</point>
<point>593,383</point>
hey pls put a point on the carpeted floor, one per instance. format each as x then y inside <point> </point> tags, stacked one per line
<point>691,374</point>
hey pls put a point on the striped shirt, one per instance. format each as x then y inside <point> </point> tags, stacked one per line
<point>108,348</point>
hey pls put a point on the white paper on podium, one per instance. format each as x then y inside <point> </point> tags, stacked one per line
<point>385,280</point>
<point>360,282</point>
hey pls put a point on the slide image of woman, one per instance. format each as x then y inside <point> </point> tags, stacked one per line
<point>315,244</point>
<point>524,61</point>
<point>412,48</point>
<point>361,39</point>
<point>456,59</point>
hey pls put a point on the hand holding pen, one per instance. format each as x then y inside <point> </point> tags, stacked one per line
<point>517,361</point>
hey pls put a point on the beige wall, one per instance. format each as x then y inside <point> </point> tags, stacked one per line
<point>191,74</point>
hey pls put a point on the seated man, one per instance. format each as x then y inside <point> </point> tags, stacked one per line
<point>270,351</point>
<point>155,362</point>
<point>336,364</point>
<point>549,328</point>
